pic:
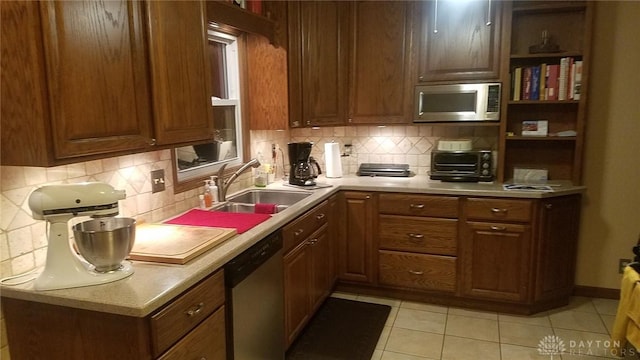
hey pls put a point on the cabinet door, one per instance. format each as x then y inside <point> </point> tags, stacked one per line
<point>98,86</point>
<point>356,245</point>
<point>317,62</point>
<point>496,260</point>
<point>296,291</point>
<point>24,115</point>
<point>321,277</point>
<point>206,341</point>
<point>180,71</point>
<point>557,237</point>
<point>379,90</point>
<point>460,40</point>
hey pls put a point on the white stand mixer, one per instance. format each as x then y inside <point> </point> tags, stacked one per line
<point>57,204</point>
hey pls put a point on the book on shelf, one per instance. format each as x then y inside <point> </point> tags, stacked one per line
<point>517,83</point>
<point>552,82</point>
<point>577,80</point>
<point>535,83</point>
<point>543,82</point>
<point>563,78</point>
<point>526,83</point>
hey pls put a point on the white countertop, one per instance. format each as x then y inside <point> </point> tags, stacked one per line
<point>153,284</point>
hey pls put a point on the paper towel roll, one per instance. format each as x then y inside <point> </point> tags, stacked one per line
<point>332,160</point>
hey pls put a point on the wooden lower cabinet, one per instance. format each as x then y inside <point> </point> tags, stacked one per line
<point>190,326</point>
<point>207,341</point>
<point>496,260</point>
<point>496,253</point>
<point>307,281</point>
<point>417,271</point>
<point>296,291</point>
<point>356,249</point>
<point>556,262</point>
<point>308,272</point>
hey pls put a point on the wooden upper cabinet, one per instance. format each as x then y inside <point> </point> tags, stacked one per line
<point>181,73</point>
<point>317,62</point>
<point>76,84</point>
<point>460,40</point>
<point>380,62</point>
<point>88,82</point>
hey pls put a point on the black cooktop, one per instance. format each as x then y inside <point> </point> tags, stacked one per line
<point>393,170</point>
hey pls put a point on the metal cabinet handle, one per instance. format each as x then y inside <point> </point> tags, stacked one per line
<point>498,211</point>
<point>548,206</point>
<point>195,310</point>
<point>313,241</point>
<point>152,142</point>
<point>367,197</point>
<point>416,206</point>
<point>489,14</point>
<point>435,17</point>
<point>498,228</point>
<point>298,232</point>
<point>320,216</point>
<point>414,236</point>
<point>416,272</point>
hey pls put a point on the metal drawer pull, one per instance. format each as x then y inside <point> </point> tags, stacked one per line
<point>498,228</point>
<point>498,211</point>
<point>416,272</point>
<point>415,236</point>
<point>416,206</point>
<point>195,310</point>
<point>320,216</point>
<point>203,358</point>
<point>313,241</point>
<point>298,232</point>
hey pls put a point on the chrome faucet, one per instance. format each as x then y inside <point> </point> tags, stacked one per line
<point>223,185</point>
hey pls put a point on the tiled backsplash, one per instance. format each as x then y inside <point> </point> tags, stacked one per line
<point>392,144</point>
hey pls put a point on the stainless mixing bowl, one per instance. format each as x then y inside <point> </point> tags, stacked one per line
<point>105,242</point>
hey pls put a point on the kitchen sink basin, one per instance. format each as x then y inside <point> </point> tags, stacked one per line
<point>279,197</point>
<point>243,208</point>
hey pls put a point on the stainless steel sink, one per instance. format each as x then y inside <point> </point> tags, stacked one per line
<point>279,197</point>
<point>242,208</point>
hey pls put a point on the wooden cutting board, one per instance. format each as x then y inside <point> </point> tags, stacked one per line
<point>176,244</point>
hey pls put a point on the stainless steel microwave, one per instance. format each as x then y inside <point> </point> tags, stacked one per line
<point>457,102</point>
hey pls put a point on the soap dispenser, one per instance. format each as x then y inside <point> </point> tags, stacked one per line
<point>208,198</point>
<point>213,188</point>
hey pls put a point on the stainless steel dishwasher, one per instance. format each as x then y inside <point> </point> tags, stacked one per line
<point>255,302</point>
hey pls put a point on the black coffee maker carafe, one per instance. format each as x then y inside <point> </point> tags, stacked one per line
<point>302,172</point>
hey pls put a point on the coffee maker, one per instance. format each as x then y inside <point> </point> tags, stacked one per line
<point>302,172</point>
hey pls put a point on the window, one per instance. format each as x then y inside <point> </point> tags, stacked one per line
<point>202,160</point>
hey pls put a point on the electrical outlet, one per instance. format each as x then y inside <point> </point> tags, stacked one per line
<point>157,180</point>
<point>622,264</point>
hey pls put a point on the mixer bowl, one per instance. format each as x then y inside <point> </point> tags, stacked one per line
<point>105,242</point>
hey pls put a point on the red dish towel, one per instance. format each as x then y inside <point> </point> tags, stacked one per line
<point>239,221</point>
<point>265,208</point>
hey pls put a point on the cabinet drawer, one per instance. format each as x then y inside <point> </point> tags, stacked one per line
<point>418,234</point>
<point>299,229</point>
<point>418,205</point>
<point>417,271</point>
<point>186,312</point>
<point>206,341</point>
<point>499,209</point>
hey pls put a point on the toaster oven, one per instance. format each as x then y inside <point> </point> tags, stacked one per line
<point>462,165</point>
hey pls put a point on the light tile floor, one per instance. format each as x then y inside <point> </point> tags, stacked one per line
<point>418,331</point>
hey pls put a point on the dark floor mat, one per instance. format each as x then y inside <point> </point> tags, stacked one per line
<point>341,330</point>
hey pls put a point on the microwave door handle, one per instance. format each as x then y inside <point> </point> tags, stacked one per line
<point>420,112</point>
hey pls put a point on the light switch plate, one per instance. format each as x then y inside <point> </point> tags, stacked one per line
<point>157,180</point>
